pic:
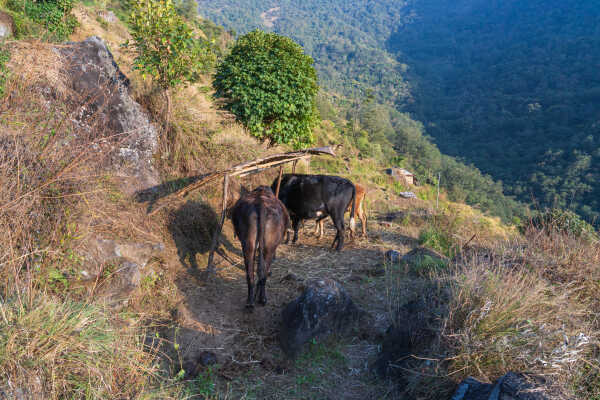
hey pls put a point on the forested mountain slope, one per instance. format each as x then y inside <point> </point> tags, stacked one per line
<point>513,87</point>
<point>348,42</point>
<point>347,38</point>
<point>510,86</point>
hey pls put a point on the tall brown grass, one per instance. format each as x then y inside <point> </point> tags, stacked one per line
<point>55,344</point>
<point>526,304</point>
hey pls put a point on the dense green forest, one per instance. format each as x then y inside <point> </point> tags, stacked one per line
<point>511,87</point>
<point>346,38</point>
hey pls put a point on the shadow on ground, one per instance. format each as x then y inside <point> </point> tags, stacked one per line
<point>192,226</point>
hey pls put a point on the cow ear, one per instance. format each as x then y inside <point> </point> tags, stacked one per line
<point>243,191</point>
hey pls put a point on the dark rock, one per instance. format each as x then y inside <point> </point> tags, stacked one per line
<point>323,308</point>
<point>207,358</point>
<point>291,277</point>
<point>202,361</point>
<point>511,386</point>
<point>409,335</point>
<point>6,25</point>
<point>97,82</point>
<point>392,256</point>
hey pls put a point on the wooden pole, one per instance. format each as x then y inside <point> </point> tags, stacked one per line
<point>210,268</point>
<point>437,199</point>
<point>279,181</point>
<point>294,166</point>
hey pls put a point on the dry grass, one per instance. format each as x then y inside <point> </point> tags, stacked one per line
<point>526,304</point>
<point>55,342</point>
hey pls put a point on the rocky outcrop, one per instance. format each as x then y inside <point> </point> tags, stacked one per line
<point>127,261</point>
<point>113,125</point>
<point>322,309</point>
<point>6,25</point>
<point>98,84</point>
<point>511,386</point>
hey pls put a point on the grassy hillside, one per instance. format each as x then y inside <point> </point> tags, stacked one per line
<point>494,299</point>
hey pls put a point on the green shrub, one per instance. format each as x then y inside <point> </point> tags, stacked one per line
<point>165,46</point>
<point>270,85</point>
<point>562,221</point>
<point>54,15</point>
<point>438,238</point>
<point>4,58</point>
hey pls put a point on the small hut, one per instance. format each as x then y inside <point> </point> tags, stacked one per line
<point>400,174</point>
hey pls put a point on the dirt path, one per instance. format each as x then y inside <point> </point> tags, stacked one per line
<point>212,317</point>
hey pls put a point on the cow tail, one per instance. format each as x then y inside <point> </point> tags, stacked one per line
<point>352,215</point>
<point>260,233</point>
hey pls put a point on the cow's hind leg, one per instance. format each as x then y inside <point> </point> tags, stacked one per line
<point>363,218</point>
<point>338,221</point>
<point>249,251</point>
<point>263,273</point>
<point>296,226</point>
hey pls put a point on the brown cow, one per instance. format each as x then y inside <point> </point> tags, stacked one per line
<point>360,211</point>
<point>260,221</point>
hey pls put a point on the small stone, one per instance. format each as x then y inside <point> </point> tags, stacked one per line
<point>291,277</point>
<point>407,195</point>
<point>392,256</point>
<point>207,358</point>
<point>108,16</point>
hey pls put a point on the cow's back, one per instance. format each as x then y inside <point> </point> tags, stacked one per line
<point>310,196</point>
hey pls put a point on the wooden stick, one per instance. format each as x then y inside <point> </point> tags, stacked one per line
<point>279,181</point>
<point>210,268</point>
<point>294,166</point>
<point>240,170</point>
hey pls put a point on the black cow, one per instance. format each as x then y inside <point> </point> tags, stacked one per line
<point>260,221</point>
<point>317,196</point>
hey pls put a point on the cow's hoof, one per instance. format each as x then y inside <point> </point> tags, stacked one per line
<point>262,302</point>
<point>249,308</point>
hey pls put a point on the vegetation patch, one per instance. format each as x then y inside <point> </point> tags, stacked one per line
<point>53,15</point>
<point>270,85</point>
<point>59,348</point>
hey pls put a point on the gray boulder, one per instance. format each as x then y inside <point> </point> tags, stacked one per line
<point>6,25</point>
<point>129,262</point>
<point>322,309</point>
<point>97,83</point>
<point>511,386</point>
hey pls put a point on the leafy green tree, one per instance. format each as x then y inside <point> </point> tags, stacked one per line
<point>270,85</point>
<point>165,46</point>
